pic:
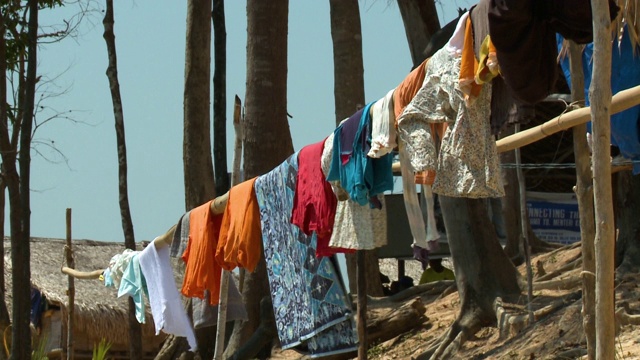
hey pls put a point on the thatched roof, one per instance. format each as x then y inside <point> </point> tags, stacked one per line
<point>98,312</point>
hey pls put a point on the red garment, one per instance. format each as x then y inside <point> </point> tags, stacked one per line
<point>202,272</point>
<point>240,242</point>
<point>314,203</point>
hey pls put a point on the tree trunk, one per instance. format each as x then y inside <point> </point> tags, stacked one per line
<point>267,140</point>
<point>600,98</point>
<point>483,271</point>
<point>627,209</point>
<point>20,246</point>
<point>584,194</point>
<point>420,19</point>
<point>198,167</point>
<point>220,97</point>
<point>135,330</point>
<point>348,68</point>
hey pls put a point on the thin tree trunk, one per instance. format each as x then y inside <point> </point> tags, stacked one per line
<point>220,97</point>
<point>584,194</point>
<point>420,19</point>
<point>71,290</point>
<point>20,246</point>
<point>135,331</point>
<point>600,98</point>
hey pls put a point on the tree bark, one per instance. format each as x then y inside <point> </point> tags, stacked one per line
<point>348,68</point>
<point>267,140</point>
<point>198,166</point>
<point>135,330</point>
<point>220,97</point>
<point>480,281</point>
<point>627,208</point>
<point>420,19</point>
<point>4,313</point>
<point>600,98</point>
<point>20,246</point>
<point>71,290</point>
<point>584,194</point>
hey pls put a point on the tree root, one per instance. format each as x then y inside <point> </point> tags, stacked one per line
<point>571,354</point>
<point>624,318</point>
<point>558,284</point>
<point>568,266</point>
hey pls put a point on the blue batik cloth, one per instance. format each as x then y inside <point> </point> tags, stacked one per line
<point>362,177</point>
<point>625,74</point>
<point>309,301</point>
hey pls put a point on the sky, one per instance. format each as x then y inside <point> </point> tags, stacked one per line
<point>74,161</point>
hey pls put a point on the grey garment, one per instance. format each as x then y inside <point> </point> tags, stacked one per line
<point>180,236</point>
<point>205,315</point>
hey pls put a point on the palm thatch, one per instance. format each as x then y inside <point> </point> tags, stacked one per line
<point>629,16</point>
<point>98,312</point>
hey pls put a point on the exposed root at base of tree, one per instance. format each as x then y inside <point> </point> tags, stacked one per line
<point>558,284</point>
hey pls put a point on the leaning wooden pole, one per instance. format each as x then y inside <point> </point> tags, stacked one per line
<point>226,275</point>
<point>584,195</point>
<point>600,98</point>
<point>362,304</point>
<point>68,250</point>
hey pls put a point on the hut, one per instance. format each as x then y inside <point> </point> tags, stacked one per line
<point>99,314</point>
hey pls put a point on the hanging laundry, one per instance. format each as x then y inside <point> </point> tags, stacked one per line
<point>164,298</point>
<point>355,227</point>
<point>240,236</point>
<point>383,131</point>
<point>361,176</point>
<point>134,285</point>
<point>407,89</point>
<point>456,42</point>
<point>309,300</point>
<point>204,314</point>
<point>118,264</point>
<point>523,32</point>
<point>625,73</point>
<point>314,203</point>
<point>467,163</point>
<point>202,272</point>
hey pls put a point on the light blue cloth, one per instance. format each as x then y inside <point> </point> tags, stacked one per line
<point>361,177</point>
<point>106,275</point>
<point>134,285</point>
<point>625,74</point>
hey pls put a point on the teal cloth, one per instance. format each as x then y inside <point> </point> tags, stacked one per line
<point>361,176</point>
<point>134,284</point>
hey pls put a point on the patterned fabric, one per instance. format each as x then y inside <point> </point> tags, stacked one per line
<point>468,163</point>
<point>309,301</point>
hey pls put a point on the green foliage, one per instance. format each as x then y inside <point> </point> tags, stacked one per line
<point>100,351</point>
<point>39,351</point>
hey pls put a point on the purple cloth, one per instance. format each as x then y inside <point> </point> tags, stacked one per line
<point>348,135</point>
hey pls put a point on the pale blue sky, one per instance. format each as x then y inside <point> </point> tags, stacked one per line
<point>150,38</point>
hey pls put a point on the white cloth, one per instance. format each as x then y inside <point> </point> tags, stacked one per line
<point>383,130</point>
<point>456,42</point>
<point>164,299</point>
<point>118,264</point>
<point>411,204</point>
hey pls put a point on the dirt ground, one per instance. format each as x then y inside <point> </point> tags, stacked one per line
<point>558,335</point>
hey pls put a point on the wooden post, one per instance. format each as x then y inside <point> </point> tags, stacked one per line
<point>68,250</point>
<point>600,98</point>
<point>226,275</point>
<point>584,195</point>
<point>362,304</point>
<point>523,227</point>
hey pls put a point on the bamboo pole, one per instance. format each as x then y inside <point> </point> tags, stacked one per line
<point>71,289</point>
<point>584,195</point>
<point>601,101</point>
<point>621,101</point>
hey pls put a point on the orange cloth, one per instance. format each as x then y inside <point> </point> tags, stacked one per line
<point>469,66</point>
<point>408,88</point>
<point>427,177</point>
<point>240,242</point>
<point>202,272</point>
